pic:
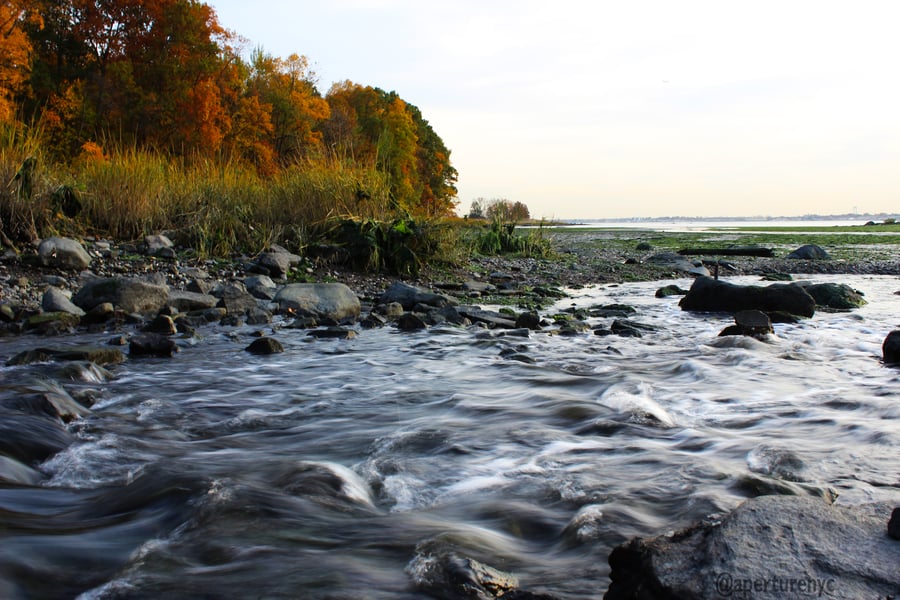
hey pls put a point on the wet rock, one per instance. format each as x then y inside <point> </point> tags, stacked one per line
<point>186,301</point>
<point>334,333</point>
<point>265,346</point>
<point>443,573</point>
<point>161,324</point>
<point>670,290</point>
<point>55,300</point>
<point>410,322</point>
<point>809,252</point>
<point>777,277</point>
<point>320,300</point>
<point>890,348</point>
<point>572,327</point>
<point>14,472</point>
<point>778,547</point>
<point>488,317</point>
<point>678,263</point>
<point>152,344</point>
<point>628,328</point>
<point>373,320</point>
<point>839,296</point>
<point>129,294</point>
<point>753,323</point>
<point>97,355</point>
<point>101,313</point>
<point>711,295</point>
<point>235,299</point>
<point>529,320</point>
<point>409,295</point>
<point>894,524</point>
<point>52,323</point>
<point>63,253</point>
<point>31,439</point>
<point>753,485</point>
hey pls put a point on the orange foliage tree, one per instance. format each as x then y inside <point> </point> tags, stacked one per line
<point>15,50</point>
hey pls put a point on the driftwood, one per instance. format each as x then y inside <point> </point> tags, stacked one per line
<point>735,251</point>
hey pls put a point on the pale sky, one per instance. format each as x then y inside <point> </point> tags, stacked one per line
<point>600,109</point>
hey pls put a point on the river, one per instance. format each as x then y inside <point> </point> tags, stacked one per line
<point>334,469</point>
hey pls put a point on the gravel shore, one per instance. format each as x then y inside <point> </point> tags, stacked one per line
<point>578,260</point>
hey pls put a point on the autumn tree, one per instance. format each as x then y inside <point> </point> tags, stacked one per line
<point>15,51</point>
<point>371,125</point>
<point>287,87</point>
<point>148,70</point>
<point>504,210</point>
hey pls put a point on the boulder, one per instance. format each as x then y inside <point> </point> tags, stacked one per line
<point>333,332</point>
<point>768,547</point>
<point>678,263</point>
<point>152,344</point>
<point>55,300</point>
<point>265,346</point>
<point>277,264</point>
<point>52,323</point>
<point>261,286</point>
<point>409,295</point>
<point>235,299</point>
<point>63,253</point>
<point>438,570</point>
<point>890,349</point>
<point>753,323</point>
<point>320,300</point>
<point>31,439</point>
<point>158,245</point>
<point>96,355</point>
<point>839,296</point>
<point>128,294</point>
<point>712,295</point>
<point>809,252</point>
<point>410,322</point>
<point>186,301</point>
<point>670,290</point>
<point>894,524</point>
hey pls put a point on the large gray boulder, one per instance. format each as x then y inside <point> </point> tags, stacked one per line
<point>56,300</point>
<point>768,547</point>
<point>319,300</point>
<point>712,295</point>
<point>186,301</point>
<point>129,294</point>
<point>63,253</point>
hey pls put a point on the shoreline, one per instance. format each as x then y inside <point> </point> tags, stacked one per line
<point>581,258</point>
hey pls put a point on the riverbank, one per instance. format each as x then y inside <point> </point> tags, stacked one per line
<point>580,257</point>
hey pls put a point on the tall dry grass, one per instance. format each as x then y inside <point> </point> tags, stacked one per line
<point>217,207</point>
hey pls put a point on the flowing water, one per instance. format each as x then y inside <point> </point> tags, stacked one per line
<point>336,469</point>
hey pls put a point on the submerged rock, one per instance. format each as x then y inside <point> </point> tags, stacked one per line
<point>890,349</point>
<point>265,346</point>
<point>772,547</point>
<point>753,323</point>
